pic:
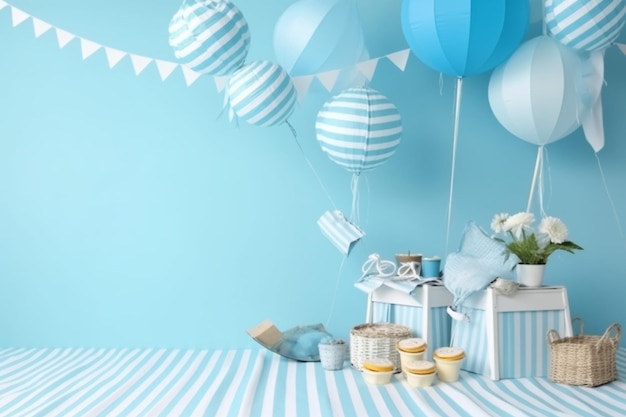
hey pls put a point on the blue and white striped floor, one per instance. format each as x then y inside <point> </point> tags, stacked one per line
<point>145,382</point>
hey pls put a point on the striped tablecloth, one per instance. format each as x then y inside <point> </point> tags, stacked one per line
<point>169,382</point>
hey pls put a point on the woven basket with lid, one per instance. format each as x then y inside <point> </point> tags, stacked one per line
<point>376,340</point>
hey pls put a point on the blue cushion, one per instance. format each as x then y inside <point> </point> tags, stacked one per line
<point>479,261</point>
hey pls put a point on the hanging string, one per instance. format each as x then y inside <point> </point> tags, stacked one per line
<point>545,164</point>
<point>319,180</point>
<point>544,29</point>
<point>608,194</point>
<point>368,202</point>
<point>441,84</point>
<point>355,214</point>
<point>457,110</point>
<point>334,300</point>
<point>536,174</point>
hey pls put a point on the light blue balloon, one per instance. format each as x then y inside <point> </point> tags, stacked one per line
<point>585,25</point>
<point>313,36</point>
<point>261,93</point>
<point>464,37</point>
<point>540,94</point>
<point>210,36</point>
<point>359,129</point>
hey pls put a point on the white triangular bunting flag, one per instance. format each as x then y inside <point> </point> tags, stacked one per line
<point>328,78</point>
<point>113,56</point>
<point>400,58</point>
<point>140,62</point>
<point>2,4</point>
<point>88,47</point>
<point>367,68</point>
<point>18,16</point>
<point>40,27</point>
<point>302,85</point>
<point>63,37</point>
<point>165,68</point>
<point>621,47</point>
<point>190,75</point>
<point>220,82</point>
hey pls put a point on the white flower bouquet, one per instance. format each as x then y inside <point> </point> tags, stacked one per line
<point>532,247</point>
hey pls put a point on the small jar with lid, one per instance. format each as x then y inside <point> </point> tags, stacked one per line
<point>448,361</point>
<point>420,373</point>
<point>378,371</point>
<point>411,349</point>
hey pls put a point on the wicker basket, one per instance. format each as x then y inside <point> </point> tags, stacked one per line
<point>376,340</point>
<point>584,360</point>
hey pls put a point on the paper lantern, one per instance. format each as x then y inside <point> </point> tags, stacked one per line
<point>586,25</point>
<point>359,129</point>
<point>312,36</point>
<point>210,36</point>
<point>261,93</point>
<point>538,94</point>
<point>464,37</point>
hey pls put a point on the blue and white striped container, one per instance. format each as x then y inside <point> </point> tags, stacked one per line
<point>339,230</point>
<point>359,129</point>
<point>523,349</point>
<point>587,25</point>
<point>261,93</point>
<point>210,36</point>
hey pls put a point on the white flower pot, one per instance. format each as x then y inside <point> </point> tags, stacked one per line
<point>530,275</point>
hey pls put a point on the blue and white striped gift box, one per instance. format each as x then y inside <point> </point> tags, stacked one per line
<point>339,230</point>
<point>522,339</point>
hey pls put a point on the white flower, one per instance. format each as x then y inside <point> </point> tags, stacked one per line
<point>497,224</point>
<point>518,223</point>
<point>554,228</point>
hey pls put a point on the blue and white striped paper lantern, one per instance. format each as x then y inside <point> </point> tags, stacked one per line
<point>359,129</point>
<point>210,36</point>
<point>587,25</point>
<point>261,93</point>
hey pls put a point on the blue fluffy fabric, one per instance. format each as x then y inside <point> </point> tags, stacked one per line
<point>479,261</point>
<point>301,342</point>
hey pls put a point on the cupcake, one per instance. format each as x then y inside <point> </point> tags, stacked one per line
<point>378,371</point>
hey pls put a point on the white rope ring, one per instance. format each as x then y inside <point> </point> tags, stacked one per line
<point>382,267</point>
<point>409,270</point>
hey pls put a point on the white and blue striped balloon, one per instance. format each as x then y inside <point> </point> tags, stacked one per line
<point>210,36</point>
<point>261,93</point>
<point>587,25</point>
<point>359,129</point>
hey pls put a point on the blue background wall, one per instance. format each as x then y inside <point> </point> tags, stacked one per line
<point>132,215</point>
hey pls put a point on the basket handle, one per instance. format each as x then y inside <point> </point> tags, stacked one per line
<point>553,336</point>
<point>615,327</point>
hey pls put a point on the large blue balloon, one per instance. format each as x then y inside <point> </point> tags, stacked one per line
<point>464,37</point>
<point>313,36</point>
<point>543,92</point>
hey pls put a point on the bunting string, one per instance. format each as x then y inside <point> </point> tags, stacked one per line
<point>166,68</point>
